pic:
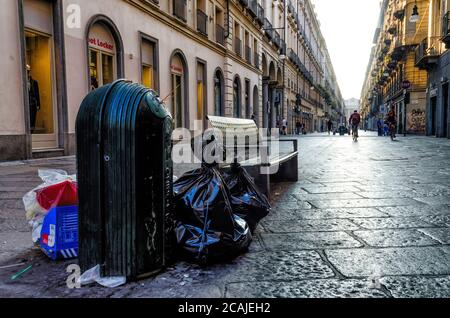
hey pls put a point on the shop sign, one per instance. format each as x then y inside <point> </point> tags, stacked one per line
<point>176,69</point>
<point>104,45</point>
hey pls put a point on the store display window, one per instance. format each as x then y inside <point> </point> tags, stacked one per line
<point>102,56</point>
<point>39,82</point>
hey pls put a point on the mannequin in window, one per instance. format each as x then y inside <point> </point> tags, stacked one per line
<point>94,83</point>
<point>34,99</point>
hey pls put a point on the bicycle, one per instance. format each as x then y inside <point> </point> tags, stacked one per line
<point>355,133</point>
<point>392,129</point>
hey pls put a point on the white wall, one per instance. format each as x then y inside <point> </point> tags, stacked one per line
<point>11,93</point>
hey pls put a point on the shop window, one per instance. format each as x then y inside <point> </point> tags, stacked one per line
<point>237,98</point>
<point>179,89</point>
<point>247,99</point>
<point>102,56</point>
<point>201,92</point>
<point>218,94</point>
<point>39,82</point>
<point>149,64</point>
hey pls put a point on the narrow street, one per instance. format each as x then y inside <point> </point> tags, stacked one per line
<point>366,219</point>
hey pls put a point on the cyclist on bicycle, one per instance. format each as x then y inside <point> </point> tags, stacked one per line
<point>355,120</point>
<point>391,120</point>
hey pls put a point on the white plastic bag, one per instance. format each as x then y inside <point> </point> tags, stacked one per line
<point>93,275</point>
<point>34,212</point>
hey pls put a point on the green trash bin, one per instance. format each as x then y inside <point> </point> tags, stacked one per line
<point>125,178</point>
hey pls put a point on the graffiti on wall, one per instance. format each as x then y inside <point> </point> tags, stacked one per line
<point>417,121</point>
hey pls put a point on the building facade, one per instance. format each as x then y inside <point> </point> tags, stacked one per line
<point>351,105</point>
<point>433,56</point>
<point>234,58</point>
<point>408,59</point>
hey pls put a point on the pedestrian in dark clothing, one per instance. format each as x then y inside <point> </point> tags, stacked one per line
<point>330,126</point>
<point>298,128</point>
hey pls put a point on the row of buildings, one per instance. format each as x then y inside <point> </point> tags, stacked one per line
<point>409,68</point>
<point>233,58</point>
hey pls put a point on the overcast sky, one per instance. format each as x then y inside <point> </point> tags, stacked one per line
<point>348,27</point>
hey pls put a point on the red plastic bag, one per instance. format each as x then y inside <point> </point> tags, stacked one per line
<point>61,194</point>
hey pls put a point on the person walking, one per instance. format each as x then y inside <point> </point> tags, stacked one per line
<point>298,127</point>
<point>329,126</point>
<point>380,127</point>
<point>386,130</point>
<point>284,125</point>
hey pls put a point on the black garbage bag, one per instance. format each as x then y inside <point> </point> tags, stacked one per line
<point>246,200</point>
<point>207,231</point>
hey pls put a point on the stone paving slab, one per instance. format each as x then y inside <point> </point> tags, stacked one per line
<point>315,225</point>
<point>391,194</point>
<point>292,205</point>
<point>391,261</point>
<point>441,235</point>
<point>435,200</point>
<point>362,203</point>
<point>395,238</point>
<point>417,287</point>
<point>330,189</point>
<point>341,213</point>
<point>326,196</point>
<point>325,288</point>
<point>309,241</point>
<point>15,240</point>
<point>381,188</point>
<point>392,223</point>
<point>415,210</point>
<point>437,220</point>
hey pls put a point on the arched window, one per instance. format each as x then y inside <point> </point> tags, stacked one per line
<point>237,97</point>
<point>218,94</point>
<point>105,52</point>
<point>179,80</point>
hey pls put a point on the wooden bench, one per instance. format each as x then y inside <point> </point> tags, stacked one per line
<point>254,153</point>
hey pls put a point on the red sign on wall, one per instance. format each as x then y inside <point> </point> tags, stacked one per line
<point>101,44</point>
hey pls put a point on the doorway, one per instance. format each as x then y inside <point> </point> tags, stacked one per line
<point>445,105</point>
<point>178,101</point>
<point>41,90</point>
<point>247,99</point>
<point>433,115</point>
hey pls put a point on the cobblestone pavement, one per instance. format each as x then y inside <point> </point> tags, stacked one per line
<point>367,219</point>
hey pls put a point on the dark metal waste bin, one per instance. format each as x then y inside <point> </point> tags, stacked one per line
<point>125,178</point>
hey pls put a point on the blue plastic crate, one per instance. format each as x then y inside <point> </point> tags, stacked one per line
<point>59,235</point>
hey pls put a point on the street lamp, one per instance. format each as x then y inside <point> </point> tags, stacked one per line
<point>415,14</point>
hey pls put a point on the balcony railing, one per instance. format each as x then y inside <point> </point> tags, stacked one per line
<point>268,29</point>
<point>248,54</point>
<point>260,14</point>
<point>220,35</point>
<point>237,46</point>
<point>276,39</point>
<point>253,8</point>
<point>179,9</point>
<point>244,2</point>
<point>202,22</point>
<point>446,29</point>
<point>256,59</point>
<point>428,52</point>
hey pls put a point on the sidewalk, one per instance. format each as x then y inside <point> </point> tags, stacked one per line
<point>366,219</point>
